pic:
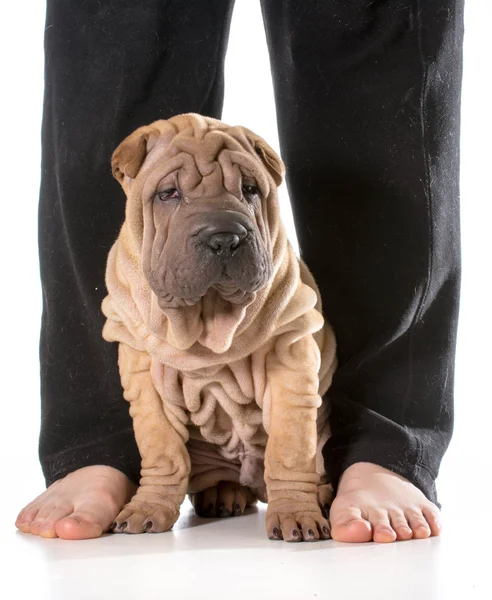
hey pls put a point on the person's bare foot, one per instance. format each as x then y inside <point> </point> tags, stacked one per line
<point>374,504</point>
<point>81,505</point>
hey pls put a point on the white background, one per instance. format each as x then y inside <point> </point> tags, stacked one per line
<point>466,467</point>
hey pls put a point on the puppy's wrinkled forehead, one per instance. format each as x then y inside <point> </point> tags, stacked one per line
<point>207,163</point>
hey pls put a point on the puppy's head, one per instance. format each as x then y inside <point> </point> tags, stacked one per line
<point>201,207</point>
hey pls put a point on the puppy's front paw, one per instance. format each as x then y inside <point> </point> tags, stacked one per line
<point>139,517</point>
<point>294,522</point>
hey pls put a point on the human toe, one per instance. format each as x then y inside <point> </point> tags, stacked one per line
<point>28,516</point>
<point>400,525</point>
<point>357,530</point>
<point>418,524</point>
<point>25,519</point>
<point>43,520</point>
<point>47,526</point>
<point>347,524</point>
<point>89,518</point>
<point>382,530</point>
<point>433,518</point>
<point>80,525</point>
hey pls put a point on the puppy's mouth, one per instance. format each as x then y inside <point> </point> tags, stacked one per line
<point>236,283</point>
<point>226,287</point>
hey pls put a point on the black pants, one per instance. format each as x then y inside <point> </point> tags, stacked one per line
<point>368,99</point>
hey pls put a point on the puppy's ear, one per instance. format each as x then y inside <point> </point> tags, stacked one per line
<point>130,154</point>
<point>270,159</point>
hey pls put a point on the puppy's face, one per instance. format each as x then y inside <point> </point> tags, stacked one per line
<point>203,190</point>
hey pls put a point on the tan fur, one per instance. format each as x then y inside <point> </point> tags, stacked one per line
<point>227,388</point>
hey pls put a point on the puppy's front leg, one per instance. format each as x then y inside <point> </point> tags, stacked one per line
<point>165,459</point>
<point>290,459</point>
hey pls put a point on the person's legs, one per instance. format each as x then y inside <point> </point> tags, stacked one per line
<point>368,101</point>
<point>110,67</point>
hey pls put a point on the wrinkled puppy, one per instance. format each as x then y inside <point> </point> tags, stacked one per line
<point>223,351</point>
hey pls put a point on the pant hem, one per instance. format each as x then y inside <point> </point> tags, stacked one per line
<point>112,451</point>
<point>402,460</point>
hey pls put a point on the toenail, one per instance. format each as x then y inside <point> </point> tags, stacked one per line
<point>352,521</point>
<point>148,525</point>
<point>325,530</point>
<point>296,533</point>
<point>123,525</point>
<point>311,532</point>
<point>237,508</point>
<point>76,519</point>
<point>223,511</point>
<point>276,532</point>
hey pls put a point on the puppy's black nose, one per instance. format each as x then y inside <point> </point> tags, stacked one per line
<point>223,243</point>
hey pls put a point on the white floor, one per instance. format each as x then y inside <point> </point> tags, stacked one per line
<point>232,557</point>
<point>222,558</point>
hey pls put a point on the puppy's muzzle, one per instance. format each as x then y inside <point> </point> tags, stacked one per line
<point>223,236</point>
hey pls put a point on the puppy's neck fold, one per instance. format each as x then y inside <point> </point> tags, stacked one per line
<point>213,329</point>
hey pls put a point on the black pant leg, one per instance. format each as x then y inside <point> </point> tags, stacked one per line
<point>110,67</point>
<point>368,102</point>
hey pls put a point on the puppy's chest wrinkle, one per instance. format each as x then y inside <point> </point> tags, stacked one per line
<point>225,405</point>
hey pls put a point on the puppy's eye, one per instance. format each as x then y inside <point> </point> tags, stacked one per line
<point>170,194</point>
<point>250,190</point>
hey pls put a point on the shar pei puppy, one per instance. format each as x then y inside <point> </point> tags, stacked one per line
<point>223,350</point>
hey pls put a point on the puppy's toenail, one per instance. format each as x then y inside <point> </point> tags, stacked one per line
<point>223,511</point>
<point>123,525</point>
<point>148,525</point>
<point>325,530</point>
<point>276,533</point>
<point>237,509</point>
<point>296,533</point>
<point>311,532</point>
